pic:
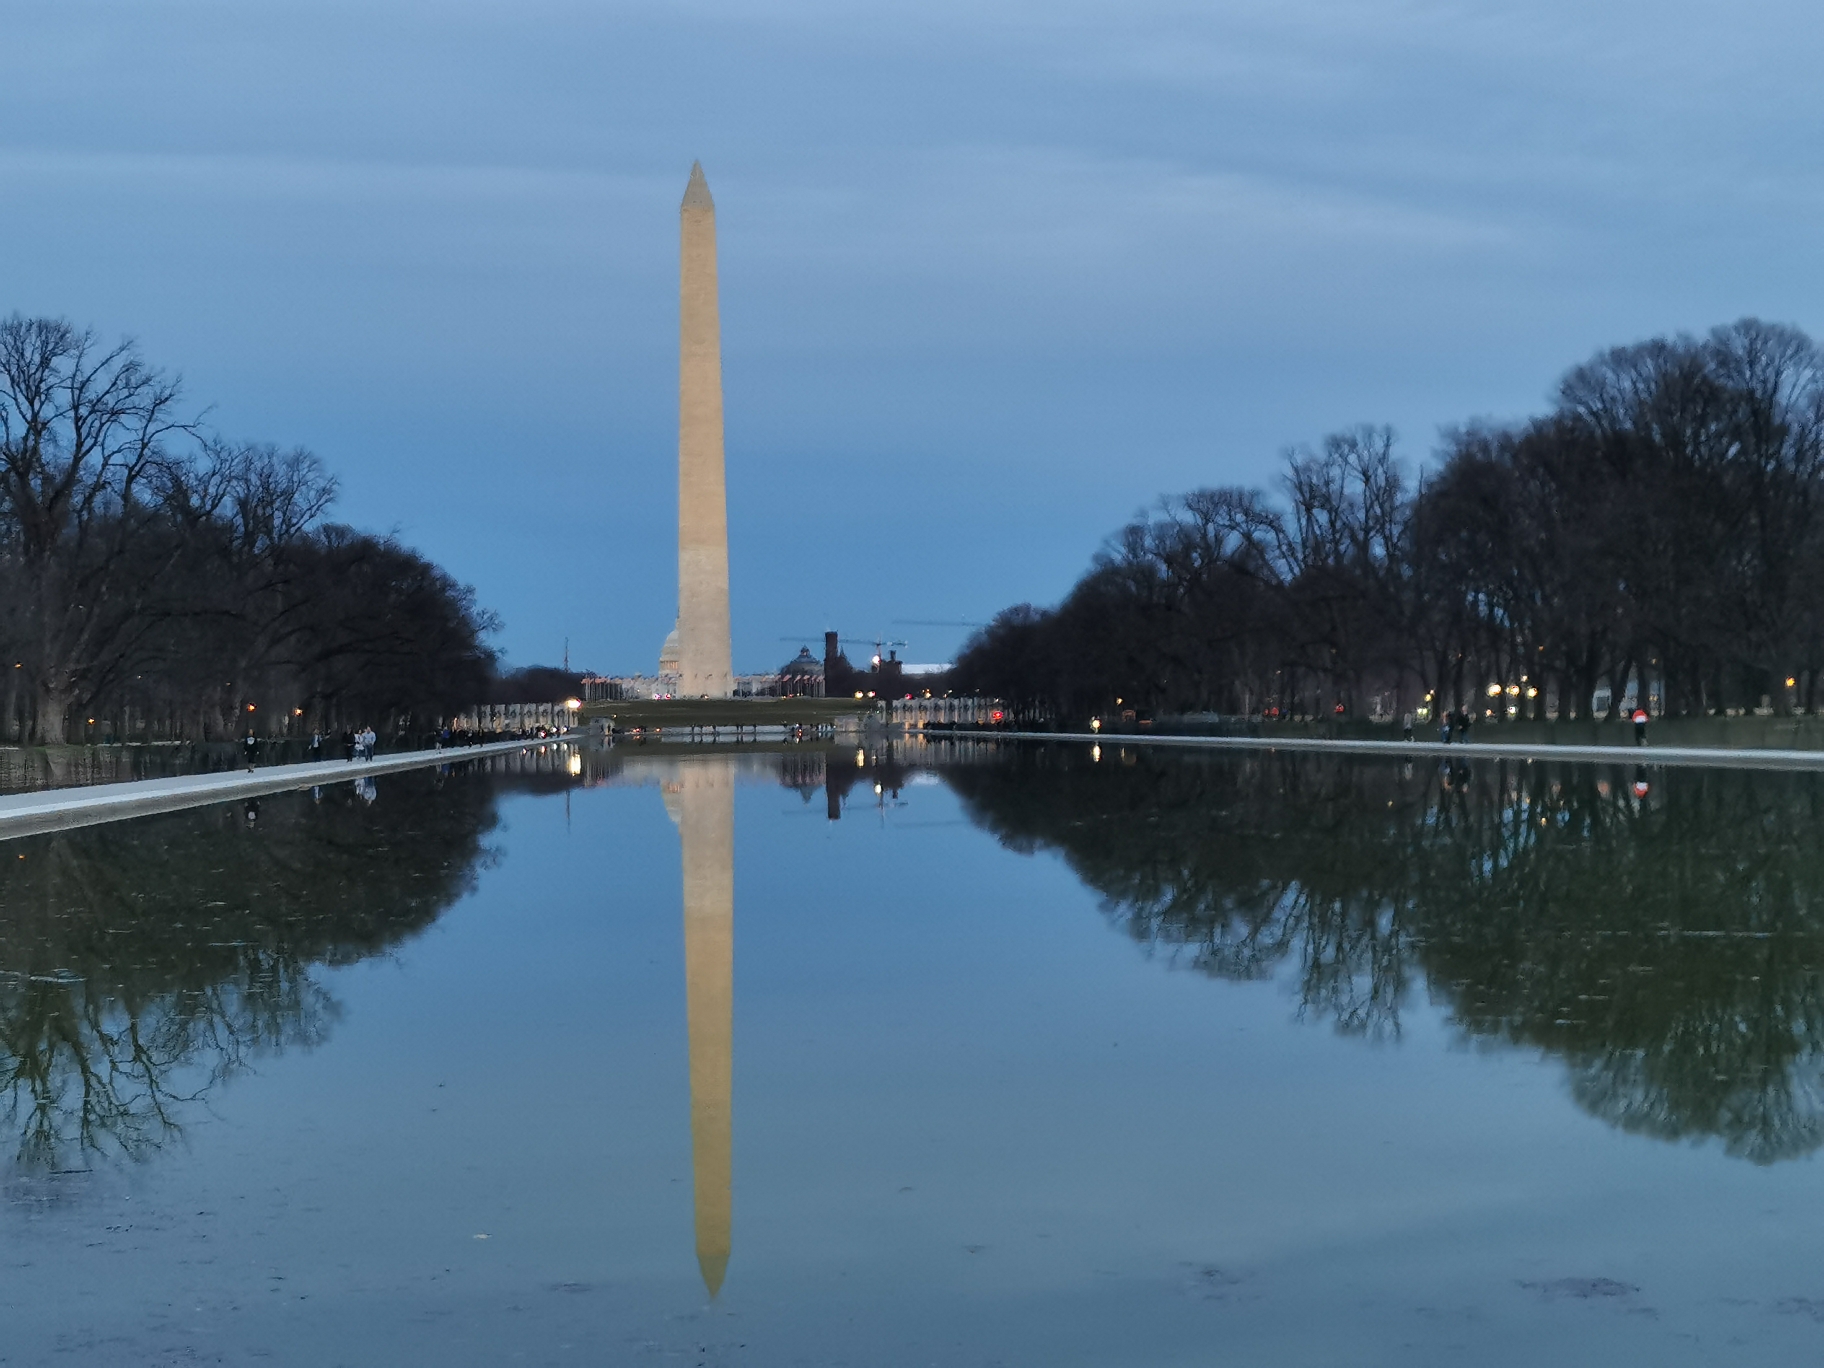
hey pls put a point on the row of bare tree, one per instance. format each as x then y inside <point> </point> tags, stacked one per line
<point>159,581</point>
<point>1663,523</point>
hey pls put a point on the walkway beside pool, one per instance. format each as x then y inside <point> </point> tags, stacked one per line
<point>1719,757</point>
<point>24,814</point>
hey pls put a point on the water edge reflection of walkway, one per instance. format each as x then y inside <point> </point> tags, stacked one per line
<point>1716,756</point>
<point>24,814</point>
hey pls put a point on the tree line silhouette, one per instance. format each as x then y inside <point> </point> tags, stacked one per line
<point>159,581</point>
<point>1661,933</point>
<point>1661,523</point>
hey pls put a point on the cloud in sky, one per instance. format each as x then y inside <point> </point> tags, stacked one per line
<point>993,276</point>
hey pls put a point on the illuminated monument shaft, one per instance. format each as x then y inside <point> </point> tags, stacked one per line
<point>705,812</point>
<point>704,664</point>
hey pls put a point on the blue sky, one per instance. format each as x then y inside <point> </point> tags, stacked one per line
<point>993,276</point>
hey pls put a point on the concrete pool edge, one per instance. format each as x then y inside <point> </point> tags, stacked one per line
<point>27,814</point>
<point>1715,757</point>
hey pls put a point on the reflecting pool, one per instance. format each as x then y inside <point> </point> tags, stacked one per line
<point>951,1053</point>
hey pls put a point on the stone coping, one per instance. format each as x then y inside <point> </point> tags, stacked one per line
<point>25,814</point>
<point>1717,757</point>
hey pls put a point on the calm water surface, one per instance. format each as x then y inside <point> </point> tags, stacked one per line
<point>1033,1056</point>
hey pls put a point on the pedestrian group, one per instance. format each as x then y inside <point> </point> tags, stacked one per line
<point>364,742</point>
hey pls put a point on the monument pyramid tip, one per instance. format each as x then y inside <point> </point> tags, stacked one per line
<point>714,1266</point>
<point>696,194</point>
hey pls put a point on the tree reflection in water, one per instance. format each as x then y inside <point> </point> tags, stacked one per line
<point>143,962</point>
<point>1668,945</point>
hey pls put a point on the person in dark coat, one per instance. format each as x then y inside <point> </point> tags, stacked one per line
<point>250,748</point>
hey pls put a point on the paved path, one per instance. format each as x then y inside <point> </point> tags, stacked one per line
<point>1713,756</point>
<point>22,814</point>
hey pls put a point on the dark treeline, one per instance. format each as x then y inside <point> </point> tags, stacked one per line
<point>1661,524</point>
<point>1669,948</point>
<point>167,583</point>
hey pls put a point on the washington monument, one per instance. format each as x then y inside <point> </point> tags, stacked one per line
<point>704,666</point>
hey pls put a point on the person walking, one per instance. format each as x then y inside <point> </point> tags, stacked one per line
<point>1463,722</point>
<point>1406,727</point>
<point>349,745</point>
<point>250,748</point>
<point>316,746</point>
<point>1640,725</point>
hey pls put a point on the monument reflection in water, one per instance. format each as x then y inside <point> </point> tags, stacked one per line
<point>1660,932</point>
<point>701,800</point>
<point>1656,935</point>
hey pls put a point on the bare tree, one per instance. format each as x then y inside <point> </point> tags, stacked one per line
<point>83,459</point>
<point>164,581</point>
<point>1660,530</point>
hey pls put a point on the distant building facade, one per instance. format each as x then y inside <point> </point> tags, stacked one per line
<point>801,676</point>
<point>515,717</point>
